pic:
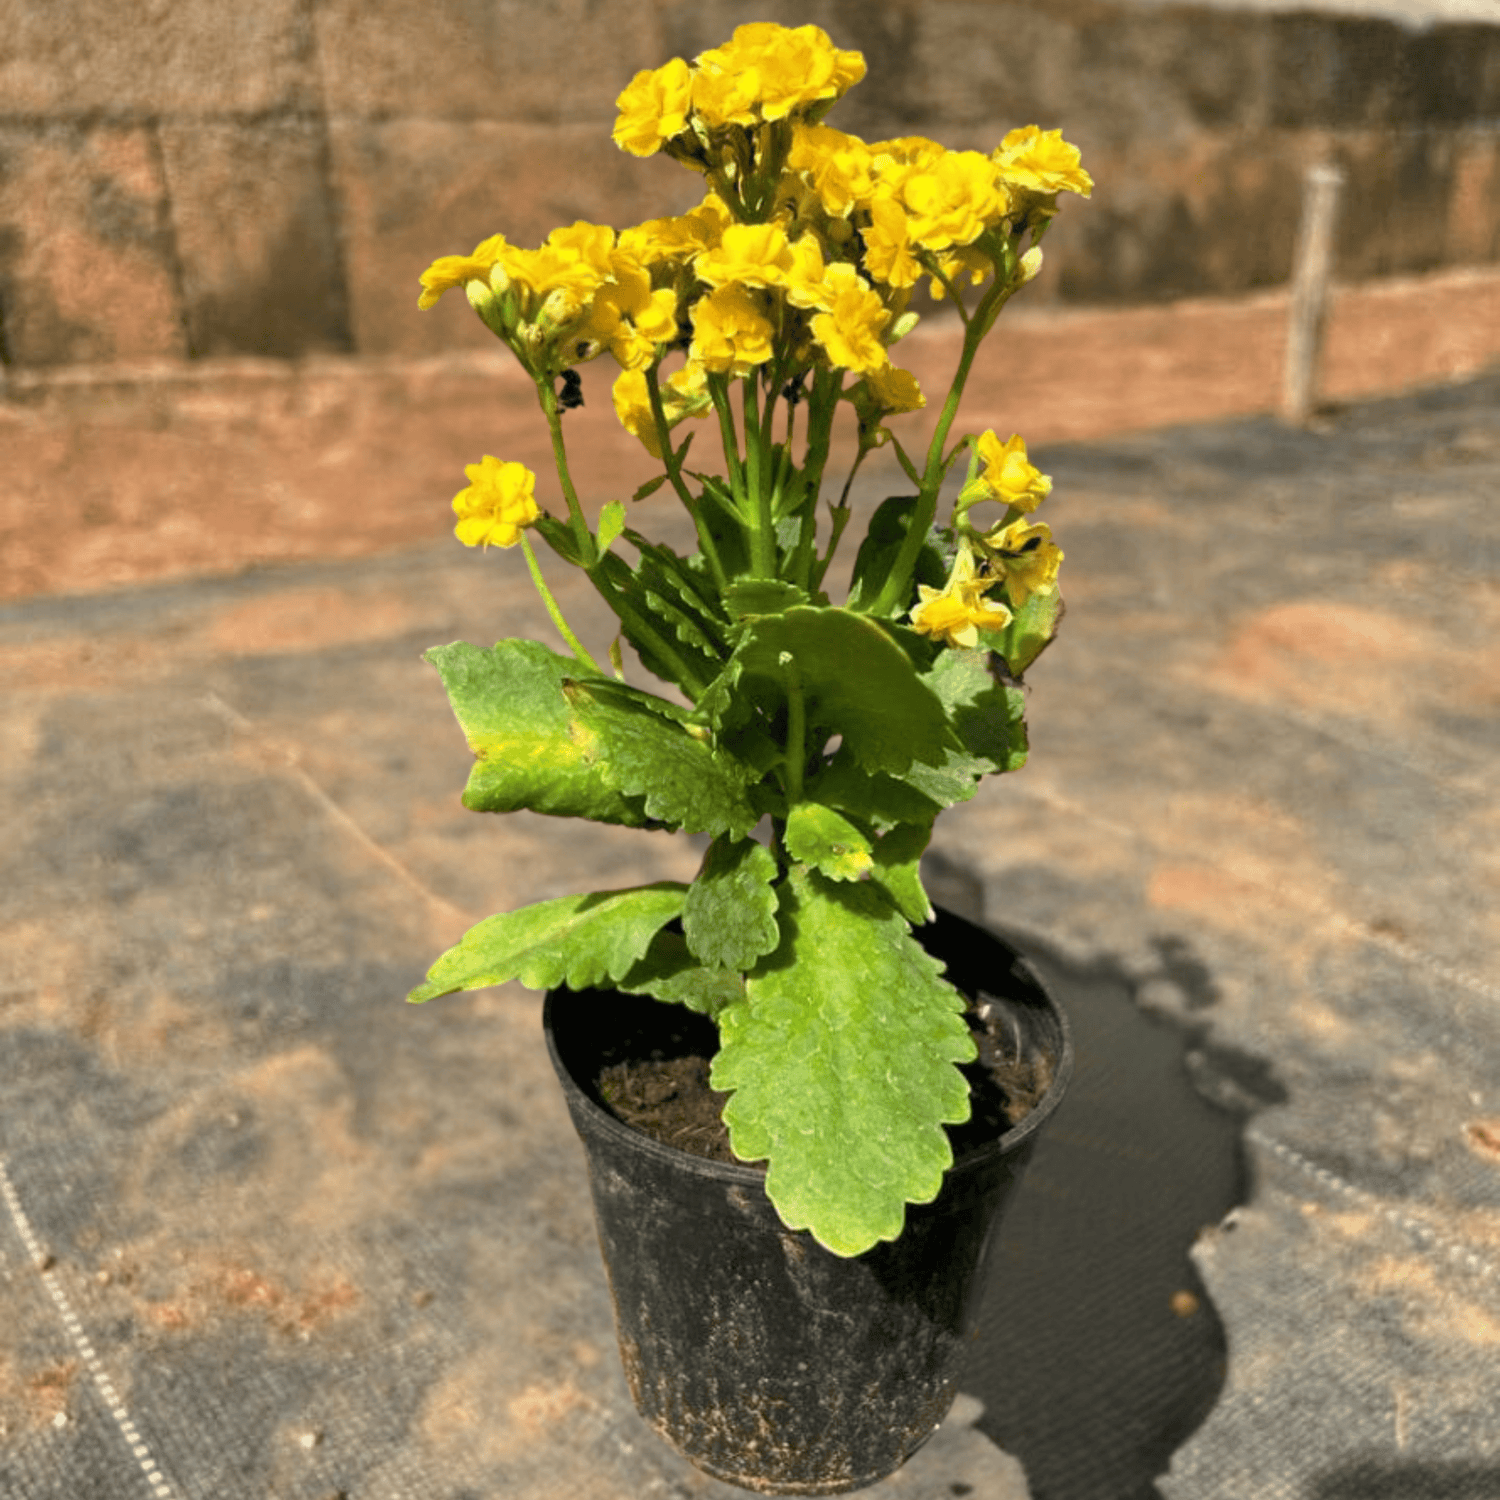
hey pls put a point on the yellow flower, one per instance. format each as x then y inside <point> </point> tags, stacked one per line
<point>953,200</point>
<point>768,72</point>
<point>1028,558</point>
<point>889,255</point>
<point>653,108</point>
<point>957,612</point>
<point>731,335</point>
<point>458,270</point>
<point>497,505</point>
<point>836,166</point>
<point>805,277</point>
<point>628,318</point>
<point>684,394</point>
<point>895,390</point>
<point>753,254</point>
<point>849,330</point>
<point>1039,161</point>
<point>1008,475</point>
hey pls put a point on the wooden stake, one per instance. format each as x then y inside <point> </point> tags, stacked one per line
<point>1312,265</point>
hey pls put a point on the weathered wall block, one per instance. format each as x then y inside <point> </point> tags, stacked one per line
<point>87,267</point>
<point>159,57</point>
<point>516,60</point>
<point>253,211</point>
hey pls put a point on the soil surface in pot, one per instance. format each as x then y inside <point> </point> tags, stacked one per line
<point>669,1098</point>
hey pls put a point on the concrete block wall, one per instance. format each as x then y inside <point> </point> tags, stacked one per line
<point>185,178</point>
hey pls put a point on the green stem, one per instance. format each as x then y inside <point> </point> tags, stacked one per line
<point>763,524</point>
<point>730,438</point>
<point>690,503</point>
<point>563,629</point>
<point>582,536</point>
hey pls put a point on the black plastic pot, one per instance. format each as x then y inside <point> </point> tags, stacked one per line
<point>764,1358</point>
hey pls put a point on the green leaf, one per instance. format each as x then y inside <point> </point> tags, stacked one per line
<point>898,870</point>
<point>878,799</point>
<point>880,548</point>
<point>556,741</point>
<point>611,523</point>
<point>650,487</point>
<point>510,704</point>
<point>579,941</point>
<point>730,914</point>
<point>829,842</point>
<point>680,779</point>
<point>670,972</point>
<point>761,596</point>
<point>842,1061</point>
<point>1031,630</point>
<point>856,680</point>
<point>986,712</point>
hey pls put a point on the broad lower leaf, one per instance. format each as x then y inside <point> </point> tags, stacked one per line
<point>646,754</point>
<point>670,972</point>
<point>580,941</point>
<point>826,840</point>
<point>730,914</point>
<point>509,701</point>
<point>842,1061</point>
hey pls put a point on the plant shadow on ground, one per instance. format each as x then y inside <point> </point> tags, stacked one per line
<point>1098,1352</point>
<point>1378,1480</point>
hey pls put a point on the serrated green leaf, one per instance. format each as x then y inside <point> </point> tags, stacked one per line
<point>897,869</point>
<point>730,914</point>
<point>761,596</point>
<point>510,704</point>
<point>826,840</point>
<point>880,800</point>
<point>842,1062</point>
<point>986,713</point>
<point>680,779</point>
<point>579,941</point>
<point>611,524</point>
<point>856,681</point>
<point>670,972</point>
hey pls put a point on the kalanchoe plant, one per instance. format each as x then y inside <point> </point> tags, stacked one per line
<point>843,728</point>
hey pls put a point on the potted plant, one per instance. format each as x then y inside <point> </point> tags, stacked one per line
<point>812,742</point>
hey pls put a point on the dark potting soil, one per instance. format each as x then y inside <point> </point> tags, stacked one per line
<point>669,1098</point>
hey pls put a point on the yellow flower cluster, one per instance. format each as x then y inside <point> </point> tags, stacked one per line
<point>763,74</point>
<point>801,257</point>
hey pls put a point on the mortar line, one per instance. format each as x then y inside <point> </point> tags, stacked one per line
<point>240,723</point>
<point>44,1265</point>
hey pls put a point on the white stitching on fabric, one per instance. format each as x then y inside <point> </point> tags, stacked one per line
<point>1425,1235</point>
<point>81,1342</point>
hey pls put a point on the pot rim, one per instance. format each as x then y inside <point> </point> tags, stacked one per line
<point>745,1174</point>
